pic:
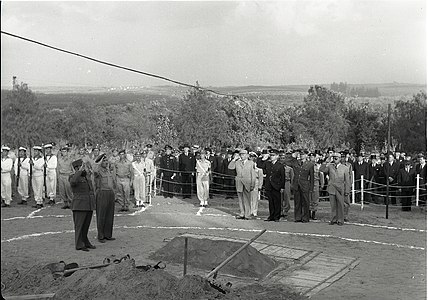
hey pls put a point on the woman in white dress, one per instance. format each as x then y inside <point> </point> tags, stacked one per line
<point>203,173</point>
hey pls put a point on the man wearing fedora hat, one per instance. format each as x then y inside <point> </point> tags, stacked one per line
<point>6,178</point>
<point>245,182</point>
<point>338,187</point>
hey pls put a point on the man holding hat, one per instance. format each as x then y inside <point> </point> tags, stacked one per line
<point>168,167</point>
<point>104,197</point>
<point>123,173</point>
<point>245,182</point>
<point>65,169</point>
<point>22,171</point>
<point>6,178</point>
<point>83,203</point>
<point>303,185</point>
<point>38,165</point>
<point>51,164</point>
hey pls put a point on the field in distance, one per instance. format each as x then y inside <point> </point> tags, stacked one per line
<point>283,95</point>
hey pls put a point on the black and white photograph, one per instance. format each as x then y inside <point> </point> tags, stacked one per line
<point>214,150</point>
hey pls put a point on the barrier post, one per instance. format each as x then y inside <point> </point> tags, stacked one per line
<point>154,181</point>
<point>362,192</point>
<point>353,187</point>
<point>417,189</point>
<point>150,189</point>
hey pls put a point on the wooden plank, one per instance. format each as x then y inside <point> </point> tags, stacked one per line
<point>309,276</point>
<point>259,246</point>
<point>30,297</point>
<point>330,259</point>
<point>270,250</point>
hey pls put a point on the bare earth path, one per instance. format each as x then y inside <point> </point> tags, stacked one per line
<point>391,253</point>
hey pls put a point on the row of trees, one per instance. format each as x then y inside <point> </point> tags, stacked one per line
<point>361,91</point>
<point>324,119</point>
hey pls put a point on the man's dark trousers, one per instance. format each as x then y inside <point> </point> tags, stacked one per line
<point>301,205</point>
<point>82,221</point>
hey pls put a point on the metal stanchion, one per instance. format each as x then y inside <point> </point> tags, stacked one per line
<point>362,192</point>
<point>150,189</point>
<point>353,187</point>
<point>417,189</point>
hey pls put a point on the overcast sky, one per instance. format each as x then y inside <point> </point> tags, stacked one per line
<point>216,43</point>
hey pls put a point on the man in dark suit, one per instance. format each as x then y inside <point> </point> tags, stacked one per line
<point>421,170</point>
<point>168,167</point>
<point>374,171</point>
<point>407,181</point>
<point>390,170</point>
<point>229,176</point>
<point>360,168</point>
<point>217,185</point>
<point>186,165</point>
<point>303,184</point>
<point>83,204</point>
<point>274,183</point>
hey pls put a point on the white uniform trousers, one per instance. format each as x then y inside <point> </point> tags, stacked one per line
<point>37,183</point>
<point>51,185</point>
<point>23,187</point>
<point>203,188</point>
<point>255,197</point>
<point>139,189</point>
<point>6,188</point>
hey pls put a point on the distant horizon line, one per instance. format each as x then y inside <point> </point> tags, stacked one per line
<point>212,86</point>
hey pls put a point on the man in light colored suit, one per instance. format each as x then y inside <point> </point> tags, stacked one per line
<point>338,188</point>
<point>245,182</point>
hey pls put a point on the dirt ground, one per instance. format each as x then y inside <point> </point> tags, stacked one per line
<point>392,251</point>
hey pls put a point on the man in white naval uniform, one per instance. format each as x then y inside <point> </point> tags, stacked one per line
<point>22,170</point>
<point>51,176</point>
<point>6,179</point>
<point>38,164</point>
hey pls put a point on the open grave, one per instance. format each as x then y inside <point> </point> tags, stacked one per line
<point>260,271</point>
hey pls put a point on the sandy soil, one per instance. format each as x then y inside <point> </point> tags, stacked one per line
<point>392,251</point>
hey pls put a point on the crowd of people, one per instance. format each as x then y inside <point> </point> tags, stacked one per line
<point>278,175</point>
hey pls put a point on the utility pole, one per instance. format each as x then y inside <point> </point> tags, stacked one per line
<point>14,85</point>
<point>387,162</point>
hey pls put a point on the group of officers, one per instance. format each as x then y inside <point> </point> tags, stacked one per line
<point>249,175</point>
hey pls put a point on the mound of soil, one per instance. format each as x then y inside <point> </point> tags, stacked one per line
<point>125,281</point>
<point>208,254</point>
<point>117,281</point>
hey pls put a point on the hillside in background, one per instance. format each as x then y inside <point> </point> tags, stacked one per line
<point>281,96</point>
